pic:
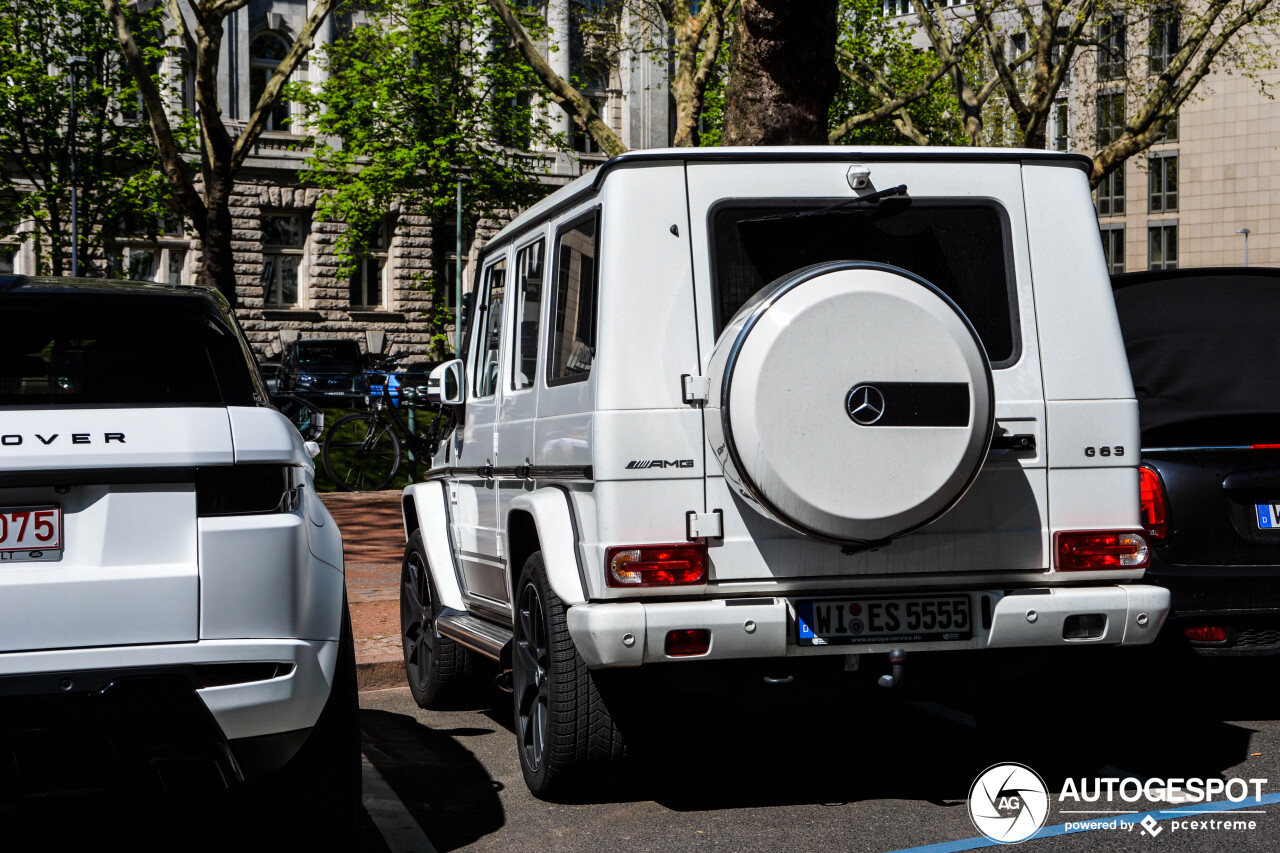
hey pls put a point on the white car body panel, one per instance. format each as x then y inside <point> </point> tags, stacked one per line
<point>1066,387</point>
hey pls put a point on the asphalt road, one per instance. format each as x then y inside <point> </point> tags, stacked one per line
<point>845,766</point>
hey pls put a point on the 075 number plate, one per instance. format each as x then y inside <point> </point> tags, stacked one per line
<point>913,619</point>
<point>30,533</point>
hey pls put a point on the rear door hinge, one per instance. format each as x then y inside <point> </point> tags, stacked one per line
<point>704,525</point>
<point>695,389</point>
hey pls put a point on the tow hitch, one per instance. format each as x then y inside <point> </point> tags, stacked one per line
<point>897,657</point>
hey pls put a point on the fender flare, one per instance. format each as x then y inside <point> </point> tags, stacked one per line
<point>431,512</point>
<point>558,540</point>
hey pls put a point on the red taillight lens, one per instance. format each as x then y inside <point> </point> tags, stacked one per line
<point>1155,507</point>
<point>656,565</point>
<point>1094,550</point>
<point>1264,447</point>
<point>687,643</point>
<point>1207,634</point>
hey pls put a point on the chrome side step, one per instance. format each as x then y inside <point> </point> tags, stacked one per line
<point>476,634</point>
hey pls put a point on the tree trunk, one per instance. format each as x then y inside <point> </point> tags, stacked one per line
<point>218,270</point>
<point>782,73</point>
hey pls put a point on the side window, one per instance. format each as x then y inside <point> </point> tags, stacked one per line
<point>573,330</point>
<point>524,365</point>
<point>489,347</point>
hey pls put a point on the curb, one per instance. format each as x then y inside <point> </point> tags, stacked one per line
<point>379,675</point>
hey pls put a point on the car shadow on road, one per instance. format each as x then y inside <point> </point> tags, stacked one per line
<point>446,789</point>
<point>1157,713</point>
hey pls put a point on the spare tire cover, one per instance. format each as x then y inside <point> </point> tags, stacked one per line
<point>851,402</point>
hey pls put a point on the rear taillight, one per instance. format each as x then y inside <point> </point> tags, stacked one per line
<point>1264,447</point>
<point>1099,550</point>
<point>1207,634</point>
<point>656,565</point>
<point>1155,505</point>
<point>247,489</point>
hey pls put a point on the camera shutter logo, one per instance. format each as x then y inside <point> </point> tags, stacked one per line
<point>1008,803</point>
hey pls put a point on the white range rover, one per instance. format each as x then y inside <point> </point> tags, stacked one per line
<point>772,405</point>
<point>172,600</point>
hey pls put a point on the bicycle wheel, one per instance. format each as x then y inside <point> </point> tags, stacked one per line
<point>361,452</point>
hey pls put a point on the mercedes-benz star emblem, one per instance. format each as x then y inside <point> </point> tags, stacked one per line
<point>865,404</point>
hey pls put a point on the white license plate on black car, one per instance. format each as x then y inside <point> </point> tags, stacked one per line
<point>899,619</point>
<point>30,533</point>
<point>1267,516</point>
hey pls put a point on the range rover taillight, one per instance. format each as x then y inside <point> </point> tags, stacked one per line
<point>1100,550</point>
<point>1155,505</point>
<point>656,565</point>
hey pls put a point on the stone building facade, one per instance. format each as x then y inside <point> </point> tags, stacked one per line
<point>286,269</point>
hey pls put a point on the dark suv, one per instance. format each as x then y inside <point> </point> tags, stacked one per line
<point>323,368</point>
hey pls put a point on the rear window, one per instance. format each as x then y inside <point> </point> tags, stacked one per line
<point>95,352</point>
<point>1203,354</point>
<point>331,353</point>
<point>960,248</point>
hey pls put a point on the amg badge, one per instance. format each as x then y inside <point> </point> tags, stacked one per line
<point>660,463</point>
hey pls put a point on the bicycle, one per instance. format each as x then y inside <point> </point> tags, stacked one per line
<point>363,451</point>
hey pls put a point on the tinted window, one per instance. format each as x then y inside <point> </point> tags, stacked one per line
<point>88,352</point>
<point>1203,354</point>
<point>528,309</point>
<point>573,334</point>
<point>959,248</point>
<point>489,350</point>
<point>345,354</point>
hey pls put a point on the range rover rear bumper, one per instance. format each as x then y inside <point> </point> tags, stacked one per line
<point>632,633</point>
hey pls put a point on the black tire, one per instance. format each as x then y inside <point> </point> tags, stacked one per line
<point>319,790</point>
<point>433,664</point>
<point>361,452</point>
<point>566,737</point>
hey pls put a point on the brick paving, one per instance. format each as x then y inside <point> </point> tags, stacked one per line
<point>372,544</point>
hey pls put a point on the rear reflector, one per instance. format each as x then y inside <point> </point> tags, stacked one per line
<point>657,565</point>
<point>1154,505</point>
<point>1096,550</point>
<point>1207,634</point>
<point>688,643</point>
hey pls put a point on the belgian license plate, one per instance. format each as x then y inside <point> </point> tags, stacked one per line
<point>30,533</point>
<point>913,619</point>
<point>1267,516</point>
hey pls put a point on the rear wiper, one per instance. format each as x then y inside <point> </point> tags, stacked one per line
<point>900,189</point>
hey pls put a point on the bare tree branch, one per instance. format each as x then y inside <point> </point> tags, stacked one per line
<point>171,159</point>
<point>561,92</point>
<point>271,94</point>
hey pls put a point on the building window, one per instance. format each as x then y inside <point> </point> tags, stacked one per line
<point>1164,38</point>
<point>282,240</point>
<point>593,88</point>
<point>368,282</point>
<point>1110,117</point>
<point>1171,129</point>
<point>1111,193</point>
<point>516,122</point>
<point>10,242</point>
<point>1111,48</point>
<point>1017,44</point>
<point>1162,246</point>
<point>143,258</point>
<point>1162,183</point>
<point>447,245</point>
<point>1060,119</point>
<point>1113,248</point>
<point>573,330</point>
<point>266,51</point>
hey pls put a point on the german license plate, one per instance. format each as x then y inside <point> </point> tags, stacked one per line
<point>30,533</point>
<point>913,619</point>
<point>1267,516</point>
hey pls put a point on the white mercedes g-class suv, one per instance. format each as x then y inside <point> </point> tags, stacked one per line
<point>172,599</point>
<point>775,404</point>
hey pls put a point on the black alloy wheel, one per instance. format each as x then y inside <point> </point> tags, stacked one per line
<point>532,686</point>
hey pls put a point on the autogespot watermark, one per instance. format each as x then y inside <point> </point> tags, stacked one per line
<point>1010,802</point>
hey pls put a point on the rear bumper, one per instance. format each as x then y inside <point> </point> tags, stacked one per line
<point>290,698</point>
<point>1204,590</point>
<point>633,633</point>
